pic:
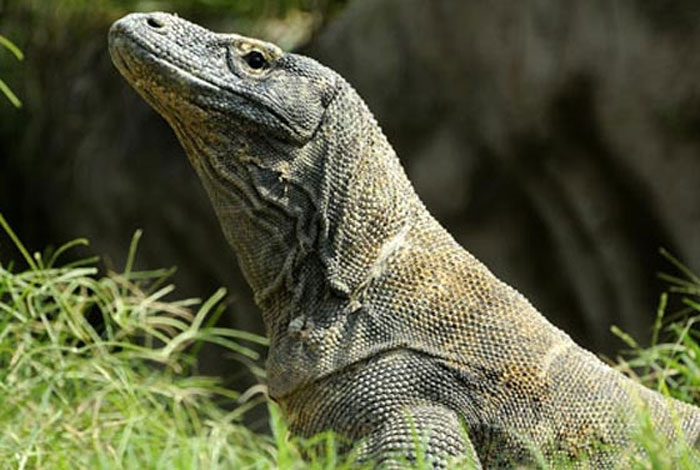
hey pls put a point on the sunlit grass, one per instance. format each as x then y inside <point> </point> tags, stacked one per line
<point>671,364</point>
<point>98,371</point>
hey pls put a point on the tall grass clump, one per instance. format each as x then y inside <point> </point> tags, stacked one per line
<point>96,372</point>
<point>670,365</point>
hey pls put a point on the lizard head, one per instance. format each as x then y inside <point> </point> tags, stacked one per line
<point>246,113</point>
<point>190,74</point>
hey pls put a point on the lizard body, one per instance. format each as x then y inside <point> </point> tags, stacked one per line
<point>381,325</point>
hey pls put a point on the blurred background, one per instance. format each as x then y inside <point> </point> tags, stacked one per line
<point>559,141</point>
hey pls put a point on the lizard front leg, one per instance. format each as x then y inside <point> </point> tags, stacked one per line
<point>392,405</point>
<point>424,434</point>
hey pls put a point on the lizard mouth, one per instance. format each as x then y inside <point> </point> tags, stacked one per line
<point>153,77</point>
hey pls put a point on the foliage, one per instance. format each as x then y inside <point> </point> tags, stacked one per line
<point>9,45</point>
<point>99,371</point>
<point>268,7</point>
<point>245,13</point>
<point>671,364</point>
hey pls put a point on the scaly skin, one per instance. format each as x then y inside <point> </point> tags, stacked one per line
<point>382,328</point>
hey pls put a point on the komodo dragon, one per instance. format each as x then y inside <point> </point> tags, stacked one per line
<point>382,328</point>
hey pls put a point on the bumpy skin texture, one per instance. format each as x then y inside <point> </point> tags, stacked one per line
<point>382,328</point>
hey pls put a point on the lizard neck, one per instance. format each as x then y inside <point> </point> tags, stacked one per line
<point>314,226</point>
<point>365,209</point>
<point>368,203</point>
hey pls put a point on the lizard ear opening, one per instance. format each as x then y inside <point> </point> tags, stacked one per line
<point>290,100</point>
<point>301,100</point>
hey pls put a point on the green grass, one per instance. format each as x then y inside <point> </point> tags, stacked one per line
<point>4,88</point>
<point>671,364</point>
<point>98,371</point>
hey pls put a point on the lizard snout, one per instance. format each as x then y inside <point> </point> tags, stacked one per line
<point>141,23</point>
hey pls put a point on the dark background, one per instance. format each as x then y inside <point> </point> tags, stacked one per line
<point>557,140</point>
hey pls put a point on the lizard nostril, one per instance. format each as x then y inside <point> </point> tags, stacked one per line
<point>154,23</point>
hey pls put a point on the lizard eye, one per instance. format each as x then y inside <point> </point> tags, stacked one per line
<point>256,60</point>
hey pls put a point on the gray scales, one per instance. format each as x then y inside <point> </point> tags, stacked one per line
<point>382,328</point>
